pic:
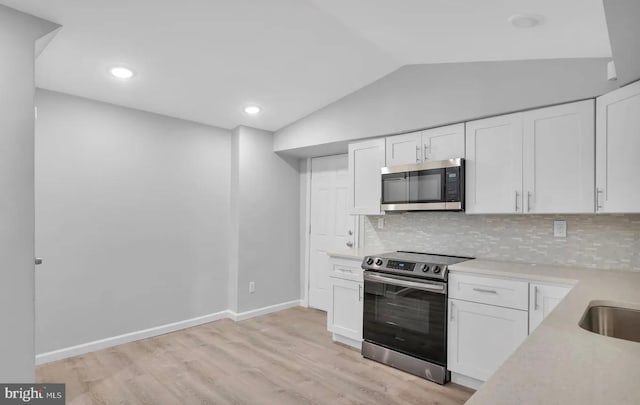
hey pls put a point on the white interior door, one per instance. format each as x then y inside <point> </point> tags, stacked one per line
<point>332,228</point>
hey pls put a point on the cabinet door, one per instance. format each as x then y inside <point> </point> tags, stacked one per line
<point>543,298</point>
<point>345,312</point>
<point>617,147</point>
<point>481,337</point>
<point>559,159</point>
<point>403,149</point>
<point>365,161</point>
<point>443,143</point>
<point>494,165</point>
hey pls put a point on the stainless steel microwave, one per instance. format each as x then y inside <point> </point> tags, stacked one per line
<point>426,186</point>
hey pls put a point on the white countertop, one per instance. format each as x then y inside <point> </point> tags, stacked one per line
<point>561,363</point>
<point>355,254</point>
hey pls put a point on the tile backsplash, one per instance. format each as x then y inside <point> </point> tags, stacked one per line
<point>610,241</point>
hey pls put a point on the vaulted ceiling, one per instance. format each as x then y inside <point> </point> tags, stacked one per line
<point>204,60</point>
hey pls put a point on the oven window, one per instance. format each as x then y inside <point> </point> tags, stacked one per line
<point>406,319</point>
<point>427,186</point>
<point>395,188</point>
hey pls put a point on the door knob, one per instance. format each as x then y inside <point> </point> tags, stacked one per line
<point>350,232</point>
<point>350,244</point>
<point>38,260</point>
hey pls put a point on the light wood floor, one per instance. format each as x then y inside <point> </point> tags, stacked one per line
<point>282,358</point>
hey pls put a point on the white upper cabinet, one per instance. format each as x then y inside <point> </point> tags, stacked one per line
<point>443,143</point>
<point>365,161</point>
<point>431,144</point>
<point>539,161</point>
<point>404,149</point>
<point>558,159</point>
<point>617,150</point>
<point>494,165</point>
<point>344,317</point>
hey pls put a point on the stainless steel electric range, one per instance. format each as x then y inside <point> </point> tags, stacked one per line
<point>405,312</point>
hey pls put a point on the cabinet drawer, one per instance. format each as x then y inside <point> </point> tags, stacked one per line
<point>346,269</point>
<point>489,290</point>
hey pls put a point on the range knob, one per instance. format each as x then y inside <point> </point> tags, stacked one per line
<point>378,262</point>
<point>369,261</point>
<point>437,269</point>
<point>425,268</point>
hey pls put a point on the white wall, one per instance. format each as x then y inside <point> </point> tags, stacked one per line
<point>234,222</point>
<point>18,33</point>
<point>304,168</point>
<point>624,31</point>
<point>267,204</point>
<point>132,220</point>
<point>423,96</point>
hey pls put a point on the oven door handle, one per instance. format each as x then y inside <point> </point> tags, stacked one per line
<point>437,288</point>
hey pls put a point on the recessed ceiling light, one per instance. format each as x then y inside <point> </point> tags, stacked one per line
<point>252,109</point>
<point>525,20</point>
<point>121,72</point>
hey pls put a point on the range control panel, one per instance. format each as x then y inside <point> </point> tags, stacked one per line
<point>405,263</point>
<point>398,265</point>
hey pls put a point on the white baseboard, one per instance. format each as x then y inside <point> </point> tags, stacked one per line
<point>156,331</point>
<point>356,344</point>
<point>241,316</point>
<point>468,382</point>
<point>127,337</point>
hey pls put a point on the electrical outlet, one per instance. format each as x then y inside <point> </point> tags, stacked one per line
<point>252,287</point>
<point>560,229</point>
<point>381,223</point>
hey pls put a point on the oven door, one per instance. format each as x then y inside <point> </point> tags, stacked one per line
<point>406,315</point>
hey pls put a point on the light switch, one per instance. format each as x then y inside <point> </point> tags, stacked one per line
<point>560,229</point>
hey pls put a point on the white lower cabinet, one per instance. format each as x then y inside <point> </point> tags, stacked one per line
<point>489,317</point>
<point>481,337</point>
<point>543,298</point>
<point>344,318</point>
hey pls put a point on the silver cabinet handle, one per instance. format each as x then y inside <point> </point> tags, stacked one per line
<point>359,292</point>
<point>344,269</point>
<point>417,154</point>
<point>38,261</point>
<point>482,290</point>
<point>350,244</point>
<point>451,317</point>
<point>427,149</point>
<point>517,195</point>
<point>599,192</point>
<point>535,298</point>
<point>529,201</point>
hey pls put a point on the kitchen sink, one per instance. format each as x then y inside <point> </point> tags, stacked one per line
<point>613,321</point>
